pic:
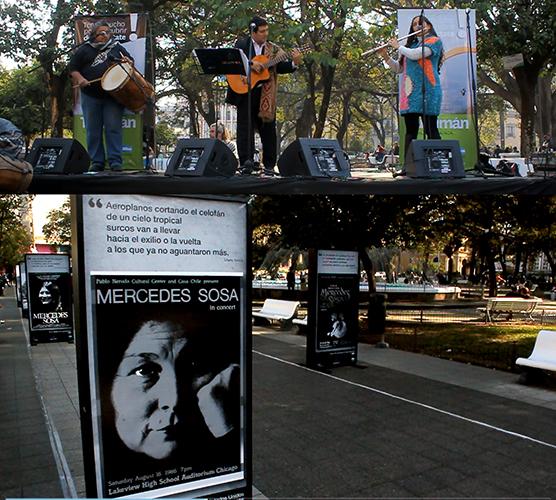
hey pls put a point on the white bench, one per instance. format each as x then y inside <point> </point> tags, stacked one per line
<point>278,310</point>
<point>509,305</point>
<point>301,323</point>
<point>543,356</point>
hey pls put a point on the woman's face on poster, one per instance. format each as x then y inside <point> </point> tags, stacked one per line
<point>45,296</point>
<point>145,390</point>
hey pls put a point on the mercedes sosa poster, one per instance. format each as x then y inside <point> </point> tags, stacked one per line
<point>49,292</point>
<point>337,301</point>
<point>168,354</point>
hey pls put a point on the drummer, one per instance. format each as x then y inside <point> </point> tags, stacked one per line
<point>100,111</point>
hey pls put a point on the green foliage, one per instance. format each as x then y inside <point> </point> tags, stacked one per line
<point>23,100</point>
<point>165,135</point>
<point>15,239</point>
<point>57,231</point>
<point>494,228</point>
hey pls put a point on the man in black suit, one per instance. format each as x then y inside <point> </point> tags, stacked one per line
<point>263,98</point>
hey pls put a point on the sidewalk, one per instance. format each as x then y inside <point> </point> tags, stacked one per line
<point>27,465</point>
<point>419,429</point>
<point>402,425</point>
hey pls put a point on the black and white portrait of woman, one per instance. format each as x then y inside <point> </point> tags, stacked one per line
<point>169,383</point>
<point>164,391</point>
<point>50,296</point>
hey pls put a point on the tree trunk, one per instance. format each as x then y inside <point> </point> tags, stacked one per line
<point>551,261</point>
<point>193,126</point>
<point>544,105</point>
<point>376,311</point>
<point>527,77</point>
<point>56,86</point>
<point>344,123</point>
<point>518,255</point>
<point>327,81</point>
<point>304,124</point>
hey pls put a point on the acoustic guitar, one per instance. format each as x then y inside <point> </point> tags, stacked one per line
<point>238,83</point>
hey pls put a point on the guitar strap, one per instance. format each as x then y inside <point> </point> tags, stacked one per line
<point>269,92</point>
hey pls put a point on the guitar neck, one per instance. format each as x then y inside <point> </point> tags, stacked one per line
<point>276,60</point>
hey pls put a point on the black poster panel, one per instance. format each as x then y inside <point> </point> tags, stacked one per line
<point>168,357</point>
<point>333,321</point>
<point>50,301</point>
<point>49,296</point>
<point>337,317</point>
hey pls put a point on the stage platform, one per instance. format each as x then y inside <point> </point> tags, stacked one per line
<point>142,183</point>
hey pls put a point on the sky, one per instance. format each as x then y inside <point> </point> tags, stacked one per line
<point>42,204</point>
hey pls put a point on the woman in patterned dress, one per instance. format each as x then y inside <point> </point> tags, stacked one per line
<point>412,67</point>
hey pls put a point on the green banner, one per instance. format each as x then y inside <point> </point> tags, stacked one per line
<point>456,116</point>
<point>132,146</point>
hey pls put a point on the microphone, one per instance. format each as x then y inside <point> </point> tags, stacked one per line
<point>252,26</point>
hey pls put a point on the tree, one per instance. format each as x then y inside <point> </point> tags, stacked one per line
<point>15,239</point>
<point>22,101</point>
<point>512,27</point>
<point>46,42</point>
<point>57,231</point>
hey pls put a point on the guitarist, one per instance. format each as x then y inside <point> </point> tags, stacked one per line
<point>263,98</point>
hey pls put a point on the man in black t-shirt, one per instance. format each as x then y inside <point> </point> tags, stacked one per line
<point>101,112</point>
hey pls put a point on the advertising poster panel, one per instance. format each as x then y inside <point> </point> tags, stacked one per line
<point>18,284</point>
<point>335,304</point>
<point>164,285</point>
<point>24,298</point>
<point>456,114</point>
<point>130,30</point>
<point>49,295</point>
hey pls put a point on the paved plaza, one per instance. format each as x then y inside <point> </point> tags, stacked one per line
<point>400,425</point>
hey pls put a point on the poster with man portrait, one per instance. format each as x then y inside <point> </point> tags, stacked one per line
<point>334,305</point>
<point>168,359</point>
<point>163,352</point>
<point>49,294</point>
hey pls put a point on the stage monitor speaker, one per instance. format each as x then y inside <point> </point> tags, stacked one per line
<point>314,158</point>
<point>58,156</point>
<point>434,159</point>
<point>202,157</point>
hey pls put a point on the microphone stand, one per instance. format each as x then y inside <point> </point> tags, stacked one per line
<point>423,86</point>
<point>249,165</point>
<point>478,166</point>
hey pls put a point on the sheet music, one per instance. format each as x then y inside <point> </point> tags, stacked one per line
<point>245,61</point>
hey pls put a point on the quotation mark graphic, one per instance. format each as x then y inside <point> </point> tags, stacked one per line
<point>92,203</point>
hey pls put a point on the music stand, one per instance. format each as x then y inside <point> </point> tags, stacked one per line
<point>223,61</point>
<point>226,61</point>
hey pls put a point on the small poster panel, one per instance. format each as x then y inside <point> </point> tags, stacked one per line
<point>49,294</point>
<point>163,346</point>
<point>24,298</point>
<point>335,304</point>
<point>18,284</point>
